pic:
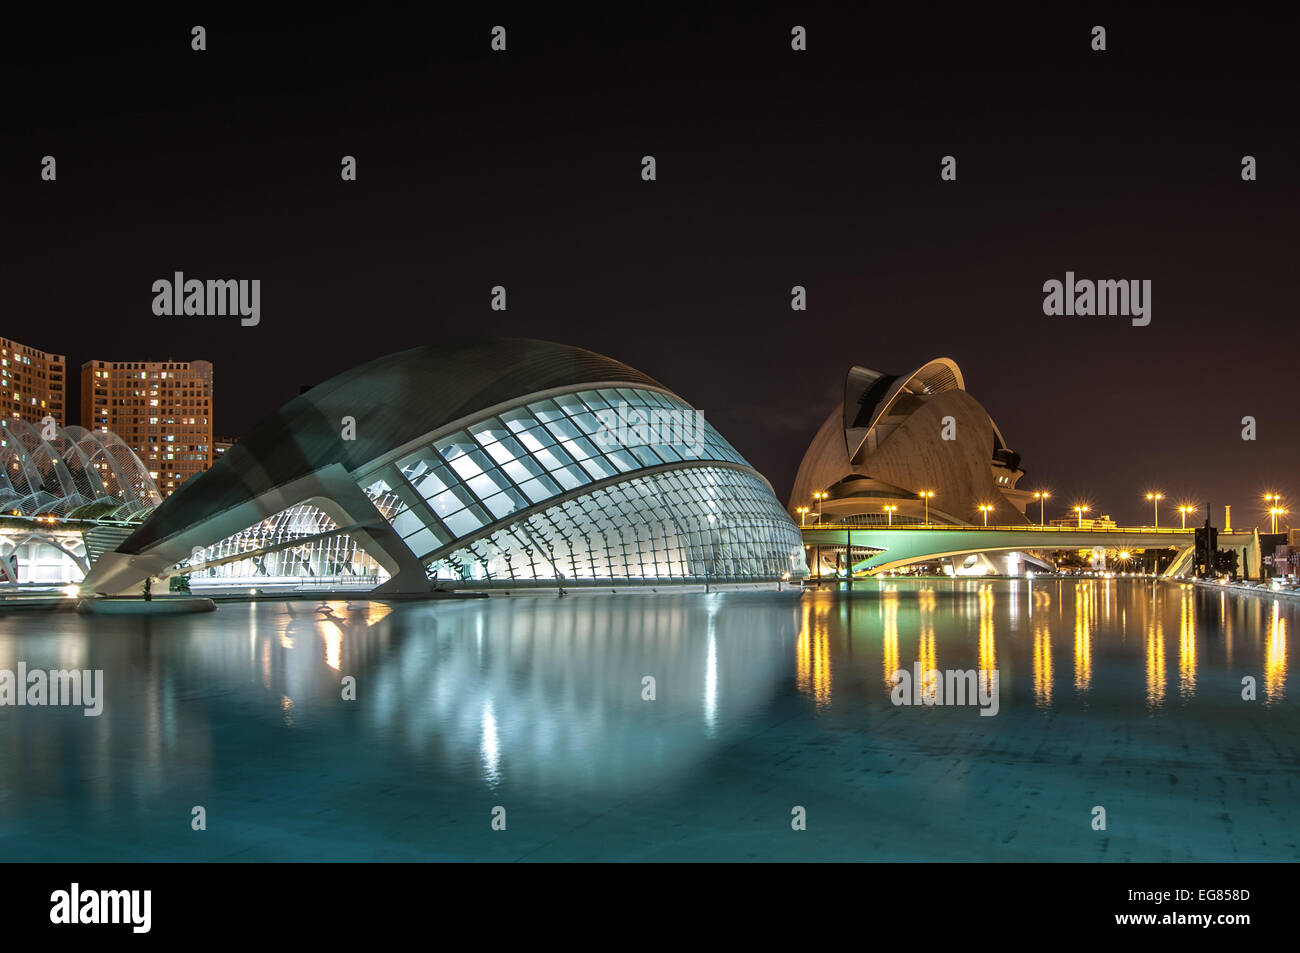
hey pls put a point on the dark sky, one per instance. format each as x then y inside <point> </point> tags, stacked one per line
<point>775,168</point>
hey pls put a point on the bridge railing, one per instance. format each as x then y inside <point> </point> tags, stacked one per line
<point>950,527</point>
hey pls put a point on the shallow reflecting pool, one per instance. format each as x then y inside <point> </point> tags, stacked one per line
<point>665,727</point>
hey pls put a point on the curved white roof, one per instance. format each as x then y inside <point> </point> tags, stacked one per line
<point>57,470</point>
<point>875,403</point>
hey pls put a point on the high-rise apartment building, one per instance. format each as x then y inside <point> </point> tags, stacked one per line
<point>161,409</point>
<point>32,383</point>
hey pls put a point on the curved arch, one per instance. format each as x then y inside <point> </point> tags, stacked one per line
<point>46,472</point>
<point>60,474</point>
<point>20,472</point>
<point>934,377</point>
<point>84,475</point>
<point>70,551</point>
<point>131,483</point>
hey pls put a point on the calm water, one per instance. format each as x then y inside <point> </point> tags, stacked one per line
<point>1116,693</point>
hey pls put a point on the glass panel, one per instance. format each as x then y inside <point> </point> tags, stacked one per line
<point>465,522</point>
<point>571,403</point>
<point>423,542</point>
<point>434,482</point>
<point>579,449</point>
<point>535,439</point>
<point>503,504</point>
<point>418,463</point>
<point>623,460</point>
<point>407,523</point>
<point>599,468</point>
<point>563,428</point>
<point>488,431</point>
<point>570,478</point>
<point>453,446</point>
<point>507,449</point>
<point>592,424</point>
<point>377,488</point>
<point>488,484</point>
<point>523,469</point>
<point>451,501</point>
<point>539,489</point>
<point>552,458</point>
<point>647,456</point>
<point>471,464</point>
<point>518,419</point>
<point>545,410</point>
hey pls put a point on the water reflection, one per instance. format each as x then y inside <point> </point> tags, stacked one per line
<point>553,694</point>
<point>1155,662</point>
<point>546,695</point>
<point>1084,613</point>
<point>1187,644</point>
<point>1042,664</point>
<point>1275,660</point>
<point>889,648</point>
<point>988,649</point>
<point>812,651</point>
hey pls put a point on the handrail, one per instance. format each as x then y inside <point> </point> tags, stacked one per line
<point>942,527</point>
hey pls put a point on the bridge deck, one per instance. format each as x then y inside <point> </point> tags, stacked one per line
<point>914,542</point>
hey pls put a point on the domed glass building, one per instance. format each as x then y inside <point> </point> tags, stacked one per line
<point>484,463</point>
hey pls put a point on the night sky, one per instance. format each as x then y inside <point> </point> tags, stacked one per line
<point>775,168</point>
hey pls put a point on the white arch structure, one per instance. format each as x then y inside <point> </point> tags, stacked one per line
<point>71,469</point>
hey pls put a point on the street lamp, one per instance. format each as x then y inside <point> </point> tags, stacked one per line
<point>1184,510</point>
<point>803,515</point>
<point>1275,512</point>
<point>818,497</point>
<point>1275,499</point>
<point>1041,497</point>
<point>925,495</point>
<point>1080,510</point>
<point>890,510</point>
<point>984,508</point>
<point>1155,499</point>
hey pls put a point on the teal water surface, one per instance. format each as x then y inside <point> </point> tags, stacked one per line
<point>1121,694</point>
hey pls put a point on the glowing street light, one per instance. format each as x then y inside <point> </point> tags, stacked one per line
<point>819,496</point>
<point>1155,499</point>
<point>803,515</point>
<point>1275,507</point>
<point>1184,510</point>
<point>1275,512</point>
<point>1080,510</point>
<point>925,495</point>
<point>984,508</point>
<point>890,511</point>
<point>1041,497</point>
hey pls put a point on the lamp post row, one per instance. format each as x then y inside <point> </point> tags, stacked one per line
<point>1274,511</point>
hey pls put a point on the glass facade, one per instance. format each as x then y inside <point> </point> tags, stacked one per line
<point>477,504</point>
<point>299,544</point>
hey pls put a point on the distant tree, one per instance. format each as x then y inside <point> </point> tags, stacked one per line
<point>148,589</point>
<point>180,584</point>
<point>1225,563</point>
<point>1071,560</point>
